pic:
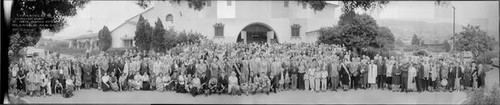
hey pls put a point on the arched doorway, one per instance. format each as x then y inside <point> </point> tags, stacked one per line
<point>257,33</point>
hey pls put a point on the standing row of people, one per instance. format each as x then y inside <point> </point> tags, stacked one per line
<point>207,68</point>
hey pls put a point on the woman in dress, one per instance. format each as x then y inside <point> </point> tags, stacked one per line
<point>160,83</point>
<point>30,78</point>
<point>412,73</point>
<point>372,74</point>
<point>181,83</point>
<point>21,79</point>
<point>145,81</point>
<point>344,75</point>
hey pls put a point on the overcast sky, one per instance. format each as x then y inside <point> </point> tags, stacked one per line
<point>96,14</point>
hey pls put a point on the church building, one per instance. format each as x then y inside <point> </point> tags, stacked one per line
<point>229,21</point>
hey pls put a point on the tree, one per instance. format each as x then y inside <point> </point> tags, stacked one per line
<point>352,5</point>
<point>143,34</point>
<point>386,38</point>
<point>158,32</point>
<point>104,36</point>
<point>316,5</point>
<point>358,33</point>
<point>399,42</point>
<point>474,40</point>
<point>170,37</point>
<point>415,40</point>
<point>28,33</point>
<point>446,46</point>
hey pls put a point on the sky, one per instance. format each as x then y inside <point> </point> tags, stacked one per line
<point>96,14</point>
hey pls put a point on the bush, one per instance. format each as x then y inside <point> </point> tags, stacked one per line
<point>421,53</point>
<point>486,57</point>
<point>173,38</point>
<point>118,51</point>
<point>371,52</point>
<point>484,96</point>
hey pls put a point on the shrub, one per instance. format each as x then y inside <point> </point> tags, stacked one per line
<point>119,51</point>
<point>173,38</point>
<point>484,96</point>
<point>421,53</point>
<point>486,57</point>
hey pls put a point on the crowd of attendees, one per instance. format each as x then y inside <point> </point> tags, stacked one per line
<point>208,68</point>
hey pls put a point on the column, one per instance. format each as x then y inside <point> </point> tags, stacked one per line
<point>244,36</point>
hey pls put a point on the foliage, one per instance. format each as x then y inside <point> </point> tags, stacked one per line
<point>446,46</point>
<point>359,33</point>
<point>370,51</point>
<point>473,39</point>
<point>352,5</point>
<point>119,51</point>
<point>484,96</point>
<point>104,39</point>
<point>415,40</point>
<point>421,53</point>
<point>316,5</point>
<point>387,38</point>
<point>157,38</point>
<point>487,56</point>
<point>173,38</point>
<point>399,42</point>
<point>143,34</point>
<point>54,11</point>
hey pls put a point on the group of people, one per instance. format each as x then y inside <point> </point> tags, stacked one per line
<point>210,68</point>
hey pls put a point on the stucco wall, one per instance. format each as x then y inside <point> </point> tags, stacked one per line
<point>270,13</point>
<point>117,35</point>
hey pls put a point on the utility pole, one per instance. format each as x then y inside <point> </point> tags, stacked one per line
<point>453,36</point>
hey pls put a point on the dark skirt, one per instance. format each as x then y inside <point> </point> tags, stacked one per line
<point>300,81</point>
<point>20,84</point>
<point>105,87</point>
<point>181,89</point>
<point>388,80</point>
<point>396,79</point>
<point>344,78</point>
<point>145,85</point>
<point>467,81</point>
<point>404,82</point>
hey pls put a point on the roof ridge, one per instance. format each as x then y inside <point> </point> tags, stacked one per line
<point>128,20</point>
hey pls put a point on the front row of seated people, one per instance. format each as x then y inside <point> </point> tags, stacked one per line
<point>195,85</point>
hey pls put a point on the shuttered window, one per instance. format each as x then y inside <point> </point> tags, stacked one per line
<point>219,30</point>
<point>295,30</point>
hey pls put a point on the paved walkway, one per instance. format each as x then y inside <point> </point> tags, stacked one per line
<point>288,97</point>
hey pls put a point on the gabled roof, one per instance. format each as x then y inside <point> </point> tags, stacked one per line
<point>85,36</point>
<point>130,19</point>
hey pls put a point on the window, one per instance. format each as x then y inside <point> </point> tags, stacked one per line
<point>304,5</point>
<point>219,30</point>
<point>295,30</point>
<point>169,18</point>
<point>228,2</point>
<point>286,3</point>
<point>209,3</point>
<point>127,42</point>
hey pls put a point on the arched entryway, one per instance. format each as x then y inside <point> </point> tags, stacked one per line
<point>257,33</point>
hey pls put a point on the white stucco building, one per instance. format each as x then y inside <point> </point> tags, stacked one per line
<point>235,21</point>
